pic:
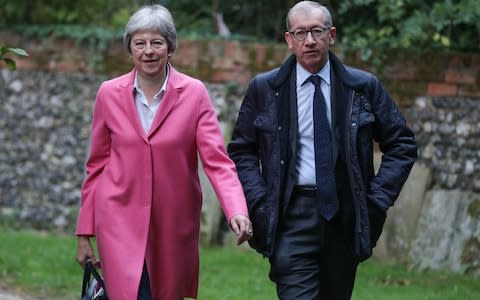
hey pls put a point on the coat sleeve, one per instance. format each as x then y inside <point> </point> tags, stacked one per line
<point>218,167</point>
<point>98,156</point>
<point>243,149</point>
<point>397,143</point>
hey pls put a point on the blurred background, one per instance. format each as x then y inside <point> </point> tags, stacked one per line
<point>362,24</point>
<point>427,54</point>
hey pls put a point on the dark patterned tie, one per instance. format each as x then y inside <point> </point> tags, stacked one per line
<point>324,164</point>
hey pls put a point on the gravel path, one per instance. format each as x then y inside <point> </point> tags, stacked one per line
<point>9,295</point>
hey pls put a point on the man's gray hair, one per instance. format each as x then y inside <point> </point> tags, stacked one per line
<point>307,6</point>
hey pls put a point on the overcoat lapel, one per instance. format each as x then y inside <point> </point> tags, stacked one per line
<point>337,108</point>
<point>291,176</point>
<point>168,101</point>
<point>130,108</point>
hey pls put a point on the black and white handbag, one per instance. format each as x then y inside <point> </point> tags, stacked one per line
<point>93,288</point>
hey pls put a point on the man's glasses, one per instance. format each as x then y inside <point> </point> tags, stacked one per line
<point>317,33</point>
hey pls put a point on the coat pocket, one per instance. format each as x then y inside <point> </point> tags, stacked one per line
<point>265,129</point>
<point>365,116</point>
<point>259,215</point>
<point>264,123</point>
<point>376,217</point>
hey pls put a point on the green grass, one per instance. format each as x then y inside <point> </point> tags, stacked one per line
<point>44,265</point>
<point>39,264</point>
<point>394,282</point>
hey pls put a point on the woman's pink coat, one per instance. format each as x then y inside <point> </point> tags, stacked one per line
<point>142,197</point>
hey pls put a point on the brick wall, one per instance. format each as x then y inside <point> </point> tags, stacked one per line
<point>406,76</point>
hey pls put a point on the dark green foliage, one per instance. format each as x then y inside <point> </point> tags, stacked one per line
<point>409,24</point>
<point>101,13</point>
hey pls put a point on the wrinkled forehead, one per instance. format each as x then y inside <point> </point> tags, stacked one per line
<point>306,17</point>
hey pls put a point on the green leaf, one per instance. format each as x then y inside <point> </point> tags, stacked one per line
<point>18,51</point>
<point>10,64</point>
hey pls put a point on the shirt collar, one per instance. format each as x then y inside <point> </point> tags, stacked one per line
<point>303,74</point>
<point>163,89</point>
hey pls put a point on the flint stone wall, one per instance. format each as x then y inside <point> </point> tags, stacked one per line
<point>45,125</point>
<point>435,223</point>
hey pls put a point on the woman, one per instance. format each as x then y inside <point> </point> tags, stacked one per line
<point>141,198</point>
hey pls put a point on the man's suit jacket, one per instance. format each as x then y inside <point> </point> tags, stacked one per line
<point>263,148</point>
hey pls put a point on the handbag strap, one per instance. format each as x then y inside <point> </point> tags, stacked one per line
<point>90,270</point>
<point>95,274</point>
<point>86,279</point>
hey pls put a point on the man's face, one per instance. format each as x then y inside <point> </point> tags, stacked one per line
<point>312,51</point>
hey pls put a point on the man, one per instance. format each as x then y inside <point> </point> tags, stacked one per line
<point>316,205</point>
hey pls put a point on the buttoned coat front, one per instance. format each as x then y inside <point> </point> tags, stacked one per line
<point>142,198</point>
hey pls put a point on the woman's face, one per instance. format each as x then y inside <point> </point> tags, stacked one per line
<point>149,51</point>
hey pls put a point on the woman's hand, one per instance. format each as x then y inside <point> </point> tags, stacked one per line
<point>242,227</point>
<point>85,252</point>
